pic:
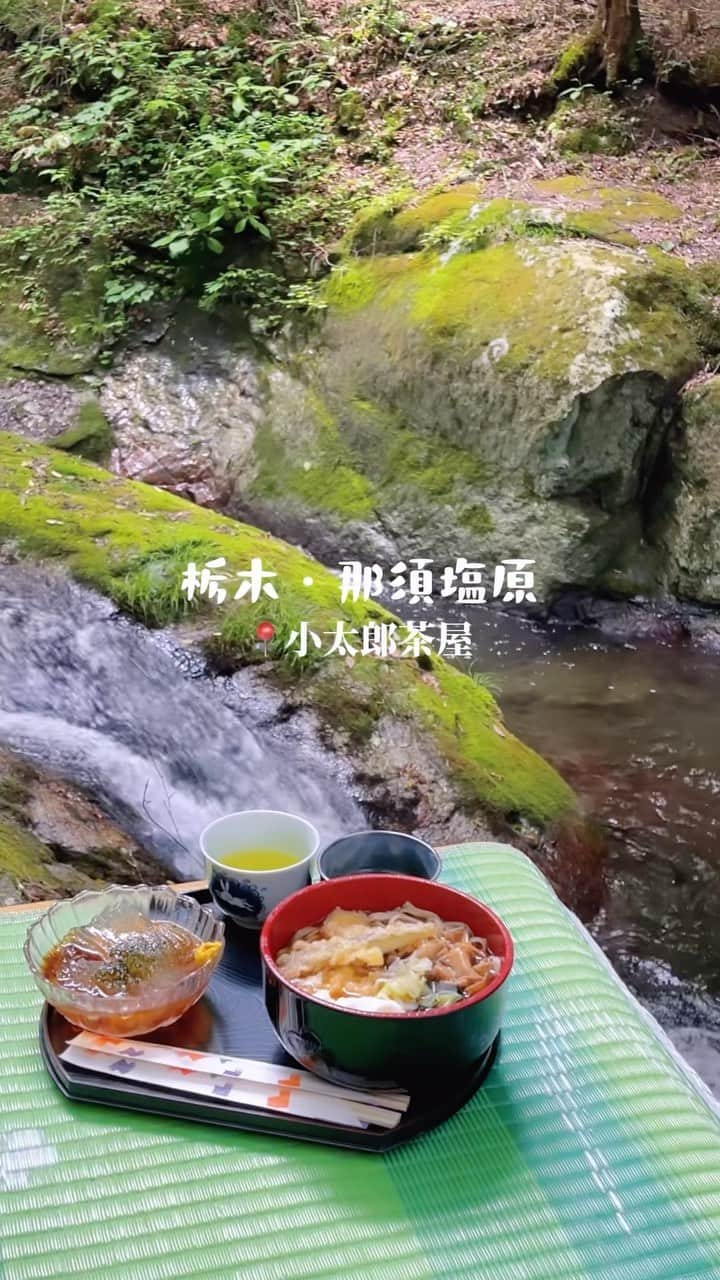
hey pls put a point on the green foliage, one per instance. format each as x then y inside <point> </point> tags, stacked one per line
<point>382,20</point>
<point>25,18</point>
<point>169,160</point>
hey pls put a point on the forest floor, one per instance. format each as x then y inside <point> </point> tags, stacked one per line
<point>405,96</point>
<point>427,93</point>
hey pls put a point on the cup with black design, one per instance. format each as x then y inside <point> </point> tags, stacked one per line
<point>254,859</point>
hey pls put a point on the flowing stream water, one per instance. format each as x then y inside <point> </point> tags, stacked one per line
<point>634,728</point>
<point>121,711</point>
<point>129,715</point>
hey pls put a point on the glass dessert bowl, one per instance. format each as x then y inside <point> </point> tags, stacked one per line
<point>124,961</point>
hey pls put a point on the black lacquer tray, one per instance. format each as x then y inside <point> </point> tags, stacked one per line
<point>231,1020</point>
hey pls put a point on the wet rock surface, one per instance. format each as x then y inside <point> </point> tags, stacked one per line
<point>39,410</point>
<point>666,622</point>
<point>55,839</point>
<point>690,530</point>
<point>107,703</point>
<point>184,411</point>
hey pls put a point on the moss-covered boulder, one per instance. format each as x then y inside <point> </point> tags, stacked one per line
<point>613,215</point>
<point>492,378</point>
<point>500,388</point>
<point>592,123</point>
<point>572,205</point>
<point>133,542</point>
<point>691,526</point>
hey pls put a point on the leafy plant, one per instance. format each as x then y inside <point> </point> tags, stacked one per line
<point>575,91</point>
<point>169,161</point>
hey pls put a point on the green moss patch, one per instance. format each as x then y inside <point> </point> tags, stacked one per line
<point>591,124</point>
<point>362,460</point>
<point>461,220</point>
<point>628,204</point>
<point>326,478</point>
<point>129,540</point>
<point>455,203</point>
<point>487,760</point>
<point>507,292</point>
<point>132,542</point>
<point>578,55</point>
<point>22,855</point>
<point>595,224</point>
<point>91,436</point>
<point>391,225</point>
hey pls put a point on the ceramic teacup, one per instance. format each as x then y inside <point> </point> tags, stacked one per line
<point>248,894</point>
<point>366,852</point>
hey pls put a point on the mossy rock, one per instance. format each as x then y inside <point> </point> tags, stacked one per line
<point>689,532</point>
<point>55,841</point>
<point>90,436</point>
<point>24,860</point>
<point>591,124</point>
<point>463,217</point>
<point>627,204</point>
<point>390,224</point>
<point>133,542</point>
<point>501,390</point>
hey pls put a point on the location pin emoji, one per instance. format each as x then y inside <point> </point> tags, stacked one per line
<point>265,632</point>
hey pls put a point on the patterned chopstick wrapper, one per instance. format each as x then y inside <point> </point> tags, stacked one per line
<point>242,1081</point>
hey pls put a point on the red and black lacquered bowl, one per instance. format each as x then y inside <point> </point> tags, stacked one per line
<point>372,1050</point>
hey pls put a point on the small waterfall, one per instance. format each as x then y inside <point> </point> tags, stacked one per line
<point>108,705</point>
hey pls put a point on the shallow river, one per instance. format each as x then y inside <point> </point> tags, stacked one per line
<point>635,729</point>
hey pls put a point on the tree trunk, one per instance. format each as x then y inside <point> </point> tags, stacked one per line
<point>620,30</point>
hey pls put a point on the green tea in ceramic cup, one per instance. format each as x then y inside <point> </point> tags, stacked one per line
<point>255,858</point>
<point>259,859</point>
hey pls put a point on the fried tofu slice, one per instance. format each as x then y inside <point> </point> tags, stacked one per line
<point>368,953</point>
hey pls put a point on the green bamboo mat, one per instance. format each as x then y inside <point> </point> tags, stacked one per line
<point>588,1153</point>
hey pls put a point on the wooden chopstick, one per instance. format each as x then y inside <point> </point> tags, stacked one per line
<point>249,1070</point>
